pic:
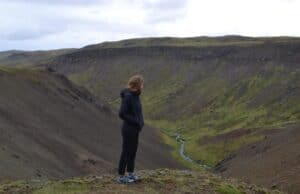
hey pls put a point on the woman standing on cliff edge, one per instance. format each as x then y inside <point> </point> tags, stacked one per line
<point>132,115</point>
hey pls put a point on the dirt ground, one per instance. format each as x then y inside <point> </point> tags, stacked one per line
<point>273,162</point>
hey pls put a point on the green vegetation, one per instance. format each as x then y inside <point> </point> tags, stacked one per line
<point>64,187</point>
<point>201,87</point>
<point>228,189</point>
<point>17,58</point>
<point>209,106</point>
<point>245,104</point>
<point>175,152</point>
<point>32,74</point>
<point>152,181</point>
<point>195,41</point>
<point>17,185</point>
<point>219,94</point>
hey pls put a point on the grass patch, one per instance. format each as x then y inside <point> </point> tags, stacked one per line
<point>152,181</point>
<point>215,152</point>
<point>17,185</point>
<point>82,78</point>
<point>228,189</point>
<point>64,188</point>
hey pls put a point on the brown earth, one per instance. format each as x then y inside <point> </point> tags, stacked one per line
<point>226,136</point>
<point>273,162</point>
<point>51,128</point>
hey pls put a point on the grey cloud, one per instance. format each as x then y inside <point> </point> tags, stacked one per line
<point>69,2</point>
<point>36,28</point>
<point>40,24</point>
<point>165,10</point>
<point>165,5</point>
<point>31,33</point>
<point>166,17</point>
<point>24,35</point>
<point>43,27</point>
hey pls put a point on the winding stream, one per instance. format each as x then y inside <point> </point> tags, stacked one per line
<point>182,153</point>
<point>185,156</point>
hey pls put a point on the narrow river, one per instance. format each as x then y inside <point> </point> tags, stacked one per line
<point>182,153</point>
<point>185,156</point>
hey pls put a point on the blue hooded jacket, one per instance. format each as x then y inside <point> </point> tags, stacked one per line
<point>131,110</point>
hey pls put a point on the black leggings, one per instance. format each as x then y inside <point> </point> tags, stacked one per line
<point>129,148</point>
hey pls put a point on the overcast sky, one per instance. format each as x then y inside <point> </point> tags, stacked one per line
<point>50,24</point>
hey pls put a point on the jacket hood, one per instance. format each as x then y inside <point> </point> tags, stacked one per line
<point>126,91</point>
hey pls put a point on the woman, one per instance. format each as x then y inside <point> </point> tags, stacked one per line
<point>132,115</point>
